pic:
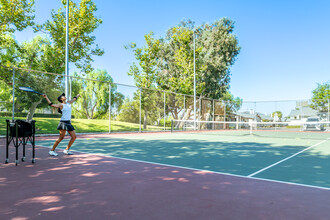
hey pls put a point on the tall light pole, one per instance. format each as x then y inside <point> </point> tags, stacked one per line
<point>13,113</point>
<point>194,84</point>
<point>67,52</point>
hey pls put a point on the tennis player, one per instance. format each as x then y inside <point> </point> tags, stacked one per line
<point>65,123</point>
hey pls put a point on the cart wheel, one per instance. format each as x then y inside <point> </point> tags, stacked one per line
<point>33,160</point>
<point>23,159</point>
<point>7,161</point>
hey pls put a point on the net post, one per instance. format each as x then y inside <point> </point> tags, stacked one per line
<point>140,110</point>
<point>164,110</point>
<point>13,113</point>
<point>200,115</point>
<point>172,126</point>
<point>301,119</point>
<point>110,88</point>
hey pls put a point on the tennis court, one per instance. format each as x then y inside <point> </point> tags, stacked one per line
<point>295,157</point>
<point>179,175</point>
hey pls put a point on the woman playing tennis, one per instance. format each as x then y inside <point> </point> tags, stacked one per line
<point>65,123</point>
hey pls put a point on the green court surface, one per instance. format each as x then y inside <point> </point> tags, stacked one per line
<point>242,154</point>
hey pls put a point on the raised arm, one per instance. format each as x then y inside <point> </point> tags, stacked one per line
<point>51,104</point>
<point>74,99</point>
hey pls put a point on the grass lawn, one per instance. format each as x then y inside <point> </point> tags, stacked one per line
<point>49,125</point>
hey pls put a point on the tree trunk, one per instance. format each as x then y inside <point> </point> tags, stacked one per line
<point>145,118</point>
<point>32,110</point>
<point>92,111</point>
<point>17,107</point>
<point>86,109</point>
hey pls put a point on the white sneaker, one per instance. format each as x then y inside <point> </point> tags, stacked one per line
<point>52,153</point>
<point>68,152</point>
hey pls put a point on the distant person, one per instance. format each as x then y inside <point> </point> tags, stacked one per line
<point>65,123</point>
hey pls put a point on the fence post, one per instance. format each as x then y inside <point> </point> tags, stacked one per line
<point>13,116</point>
<point>224,112</point>
<point>164,110</point>
<point>213,116</point>
<point>140,110</point>
<point>255,111</point>
<point>328,110</point>
<point>110,88</point>
<point>200,115</point>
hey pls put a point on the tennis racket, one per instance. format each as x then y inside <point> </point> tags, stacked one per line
<point>28,89</point>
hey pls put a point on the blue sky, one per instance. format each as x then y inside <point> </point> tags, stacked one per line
<point>285,44</point>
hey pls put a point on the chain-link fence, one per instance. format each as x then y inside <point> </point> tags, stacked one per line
<point>284,111</point>
<point>105,106</point>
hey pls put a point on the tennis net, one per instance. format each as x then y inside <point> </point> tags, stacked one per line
<point>293,129</point>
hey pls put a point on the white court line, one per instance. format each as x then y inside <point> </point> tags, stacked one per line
<point>281,161</point>
<point>209,171</point>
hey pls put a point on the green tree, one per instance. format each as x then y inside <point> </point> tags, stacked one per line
<point>233,104</point>
<point>278,113</point>
<point>219,51</point>
<point>216,51</point>
<point>32,56</point>
<point>48,54</point>
<point>321,97</point>
<point>94,101</point>
<point>82,23</point>
<point>15,15</point>
<point>145,73</point>
<point>130,111</point>
<point>8,57</point>
<point>176,67</point>
<point>5,95</point>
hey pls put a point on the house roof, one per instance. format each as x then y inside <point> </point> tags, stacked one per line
<point>252,116</point>
<point>265,117</point>
<point>245,115</point>
<point>305,111</point>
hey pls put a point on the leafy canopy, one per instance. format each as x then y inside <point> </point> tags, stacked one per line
<point>216,49</point>
<point>16,15</point>
<point>82,24</point>
<point>321,97</point>
<point>94,100</point>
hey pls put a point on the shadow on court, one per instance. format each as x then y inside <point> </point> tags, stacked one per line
<point>237,156</point>
<point>86,186</point>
